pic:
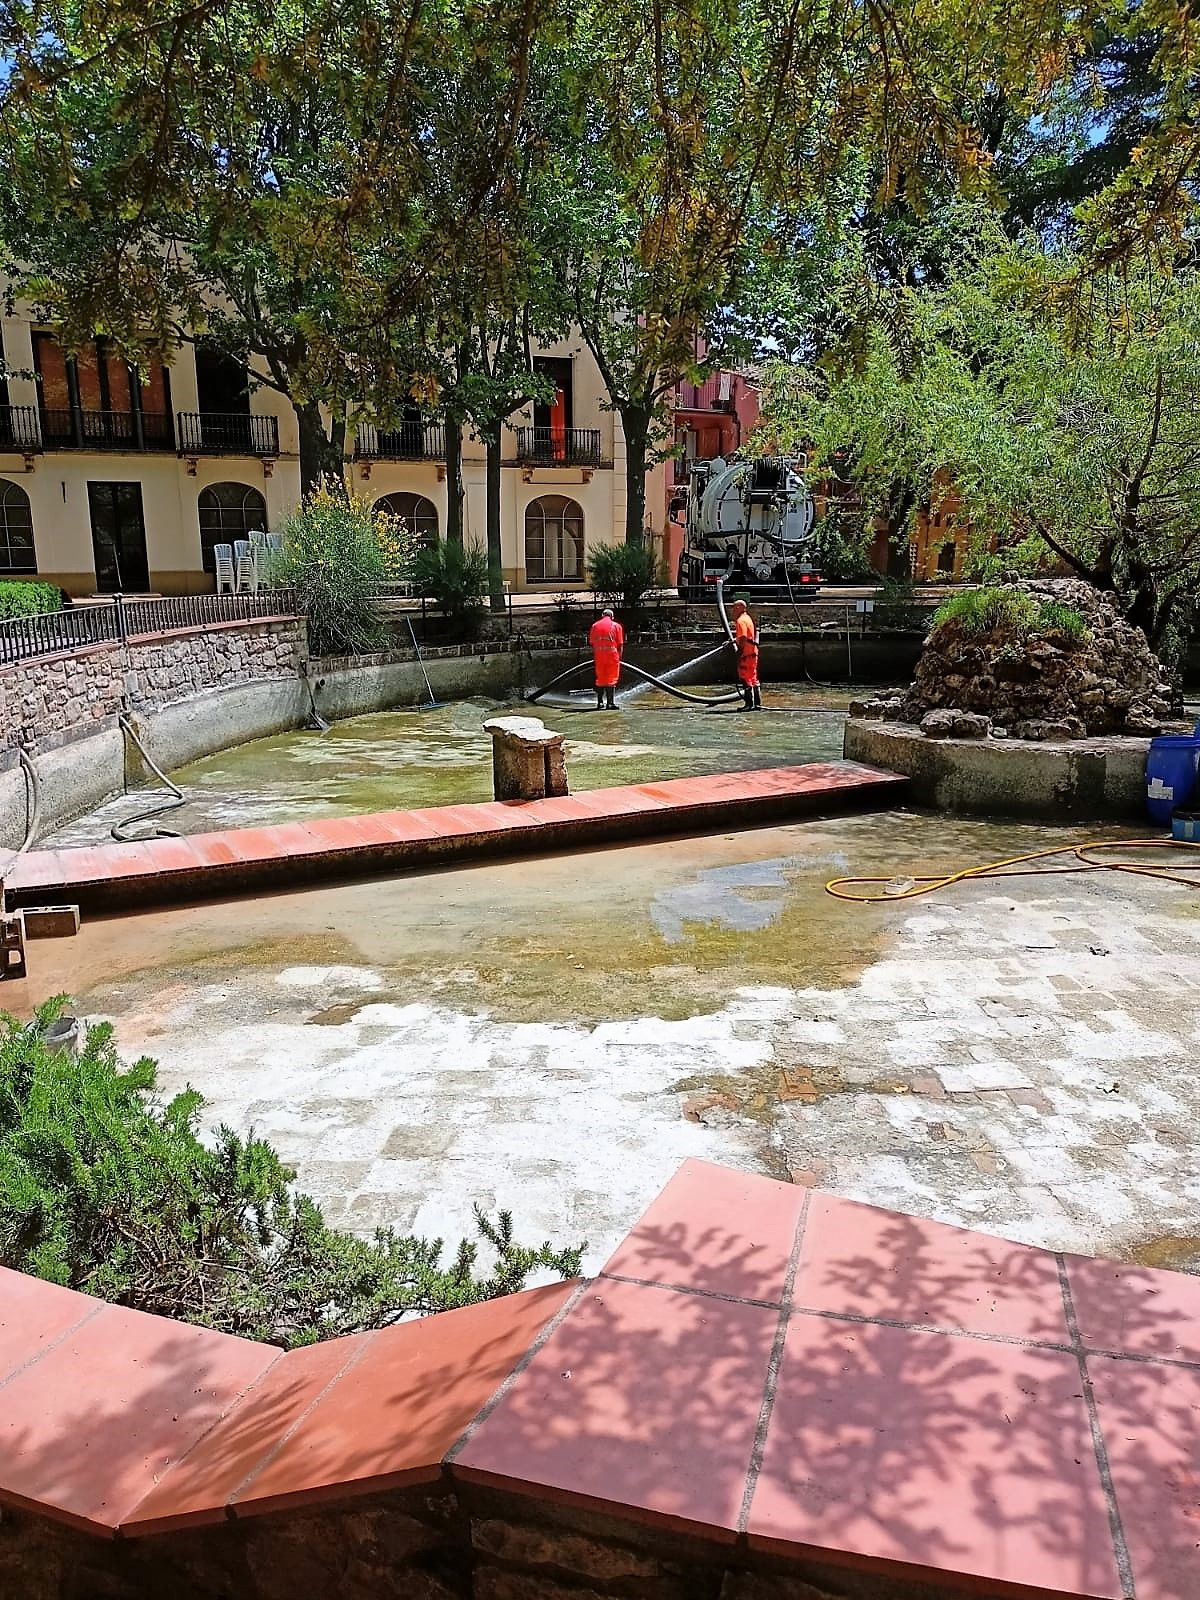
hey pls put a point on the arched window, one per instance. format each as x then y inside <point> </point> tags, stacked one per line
<point>419,515</point>
<point>16,530</point>
<point>229,511</point>
<point>553,540</point>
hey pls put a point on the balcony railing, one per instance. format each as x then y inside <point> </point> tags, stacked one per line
<point>227,433</point>
<point>19,428</point>
<point>411,441</point>
<point>559,447</point>
<point>81,428</point>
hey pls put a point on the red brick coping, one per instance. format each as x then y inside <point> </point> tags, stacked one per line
<point>758,1365</point>
<point>244,860</point>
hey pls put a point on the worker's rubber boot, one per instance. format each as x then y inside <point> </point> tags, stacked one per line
<point>599,699</point>
<point>757,706</point>
<point>747,697</point>
<point>612,701</point>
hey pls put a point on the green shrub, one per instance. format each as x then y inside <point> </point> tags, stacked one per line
<point>623,574</point>
<point>1012,612</point>
<point>455,578</point>
<point>331,556</point>
<point>107,1189</point>
<point>28,599</point>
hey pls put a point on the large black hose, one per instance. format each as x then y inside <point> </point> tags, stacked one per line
<point>640,672</point>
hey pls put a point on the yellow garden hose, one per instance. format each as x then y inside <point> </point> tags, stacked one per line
<point>1016,867</point>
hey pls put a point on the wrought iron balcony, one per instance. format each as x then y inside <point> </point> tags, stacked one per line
<point>82,428</point>
<point>559,447</point>
<point>19,428</point>
<point>411,441</point>
<point>227,433</point>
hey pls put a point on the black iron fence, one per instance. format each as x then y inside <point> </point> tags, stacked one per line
<point>118,620</point>
<point>559,447</point>
<point>411,441</point>
<point>227,433</point>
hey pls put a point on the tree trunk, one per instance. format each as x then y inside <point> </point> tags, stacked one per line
<point>492,441</point>
<point>321,454</point>
<point>454,481</point>
<point>635,421</point>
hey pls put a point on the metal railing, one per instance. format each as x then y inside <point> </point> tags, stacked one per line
<point>82,428</point>
<point>79,627</point>
<point>19,428</point>
<point>227,433</point>
<point>559,447</point>
<point>411,441</point>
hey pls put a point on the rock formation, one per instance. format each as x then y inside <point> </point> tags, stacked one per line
<point>1036,684</point>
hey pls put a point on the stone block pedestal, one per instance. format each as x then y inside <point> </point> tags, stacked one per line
<point>527,759</point>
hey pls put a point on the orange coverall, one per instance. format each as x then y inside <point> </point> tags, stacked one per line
<point>747,650</point>
<point>607,639</point>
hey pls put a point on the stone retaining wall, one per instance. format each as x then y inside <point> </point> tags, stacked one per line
<point>434,1543</point>
<point>1075,779</point>
<point>47,702</point>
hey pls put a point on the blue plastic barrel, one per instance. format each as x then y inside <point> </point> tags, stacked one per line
<point>1170,775</point>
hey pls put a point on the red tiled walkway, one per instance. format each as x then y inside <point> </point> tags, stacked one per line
<point>758,1365</point>
<point>250,859</point>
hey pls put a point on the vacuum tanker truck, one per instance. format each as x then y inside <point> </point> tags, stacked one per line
<point>750,523</point>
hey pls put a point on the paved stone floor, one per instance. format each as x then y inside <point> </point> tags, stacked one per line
<point>557,1036</point>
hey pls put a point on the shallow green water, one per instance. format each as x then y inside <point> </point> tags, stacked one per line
<point>397,760</point>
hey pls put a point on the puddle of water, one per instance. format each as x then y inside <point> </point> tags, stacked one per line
<point>664,928</point>
<point>396,760</point>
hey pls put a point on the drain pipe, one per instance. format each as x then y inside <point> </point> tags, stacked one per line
<point>176,799</point>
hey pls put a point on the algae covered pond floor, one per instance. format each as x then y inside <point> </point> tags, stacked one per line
<point>556,1035</point>
<point>396,760</point>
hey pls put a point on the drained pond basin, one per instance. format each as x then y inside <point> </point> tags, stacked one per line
<point>555,1036</point>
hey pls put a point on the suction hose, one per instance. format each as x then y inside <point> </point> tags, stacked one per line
<point>177,798</point>
<point>640,672</point>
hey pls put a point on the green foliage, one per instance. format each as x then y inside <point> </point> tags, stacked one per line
<point>332,557</point>
<point>28,599</point>
<point>107,1189</point>
<point>1064,426</point>
<point>624,574</point>
<point>896,606</point>
<point>1011,612</point>
<point>455,578</point>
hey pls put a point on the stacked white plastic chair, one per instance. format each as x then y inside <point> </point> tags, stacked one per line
<point>226,574</point>
<point>245,567</point>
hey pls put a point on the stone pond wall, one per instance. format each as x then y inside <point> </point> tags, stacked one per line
<point>46,703</point>
<point>434,1543</point>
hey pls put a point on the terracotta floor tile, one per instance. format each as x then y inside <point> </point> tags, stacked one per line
<point>1150,1419</point>
<point>33,1315</point>
<point>198,1488</point>
<point>404,825</point>
<point>643,1401</point>
<point>941,1454</point>
<point>713,1228</point>
<point>290,839</point>
<point>337,833</point>
<point>860,1260</point>
<point>173,855</point>
<point>396,1411</point>
<point>214,849</point>
<point>252,844</point>
<point>88,1429</point>
<point>87,865</point>
<point>42,868</point>
<point>127,860</point>
<point>1138,1309</point>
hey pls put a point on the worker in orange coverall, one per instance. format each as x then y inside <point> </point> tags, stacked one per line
<point>745,639</point>
<point>607,639</point>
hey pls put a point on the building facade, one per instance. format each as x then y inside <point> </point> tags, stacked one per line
<point>112,479</point>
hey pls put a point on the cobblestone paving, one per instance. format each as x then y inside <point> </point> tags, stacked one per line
<point>1023,1063</point>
